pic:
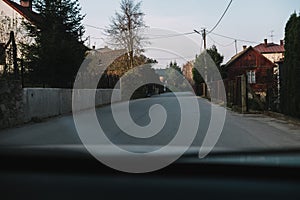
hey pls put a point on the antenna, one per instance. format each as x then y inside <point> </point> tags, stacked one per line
<point>272,36</point>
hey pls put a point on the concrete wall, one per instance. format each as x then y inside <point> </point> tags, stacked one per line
<point>47,102</point>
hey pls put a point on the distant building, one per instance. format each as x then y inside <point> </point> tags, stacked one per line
<point>162,74</point>
<point>104,49</point>
<point>187,71</point>
<point>257,68</point>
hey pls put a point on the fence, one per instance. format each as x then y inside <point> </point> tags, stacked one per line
<point>48,102</point>
<point>233,93</point>
<point>241,95</point>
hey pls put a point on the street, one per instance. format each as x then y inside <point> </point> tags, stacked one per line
<point>241,132</point>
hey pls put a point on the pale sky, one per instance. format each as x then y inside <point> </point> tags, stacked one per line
<point>247,20</point>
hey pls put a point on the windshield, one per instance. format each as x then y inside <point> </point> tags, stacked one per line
<point>149,78</point>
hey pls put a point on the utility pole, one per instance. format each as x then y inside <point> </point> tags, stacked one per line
<point>205,64</point>
<point>89,41</point>
<point>200,42</point>
<point>236,50</point>
<point>204,37</point>
<point>204,34</point>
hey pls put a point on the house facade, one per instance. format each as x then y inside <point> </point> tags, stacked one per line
<point>256,67</point>
<point>187,71</point>
<point>12,15</point>
<point>275,53</point>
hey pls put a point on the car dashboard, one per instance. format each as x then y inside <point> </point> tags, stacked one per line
<point>71,173</point>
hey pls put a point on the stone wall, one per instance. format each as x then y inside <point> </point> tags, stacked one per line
<point>11,103</point>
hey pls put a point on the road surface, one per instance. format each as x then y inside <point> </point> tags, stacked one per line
<point>240,132</point>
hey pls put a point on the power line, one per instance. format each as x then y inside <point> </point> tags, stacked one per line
<point>232,38</point>
<point>158,36</point>
<point>174,58</point>
<point>97,38</point>
<point>222,45</point>
<point>95,27</point>
<point>169,36</point>
<point>221,18</point>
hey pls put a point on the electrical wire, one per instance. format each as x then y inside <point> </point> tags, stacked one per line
<point>97,38</point>
<point>175,58</point>
<point>222,45</point>
<point>221,17</point>
<point>232,38</point>
<point>153,38</point>
<point>170,36</point>
<point>95,27</point>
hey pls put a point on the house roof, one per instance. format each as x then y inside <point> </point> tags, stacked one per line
<point>269,48</point>
<point>105,49</point>
<point>237,56</point>
<point>27,13</point>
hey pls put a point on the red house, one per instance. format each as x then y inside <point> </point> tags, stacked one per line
<point>257,68</point>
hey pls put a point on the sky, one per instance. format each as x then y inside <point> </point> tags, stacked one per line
<point>253,21</point>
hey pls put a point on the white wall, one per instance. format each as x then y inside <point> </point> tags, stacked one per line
<point>48,102</point>
<point>274,57</point>
<point>15,22</point>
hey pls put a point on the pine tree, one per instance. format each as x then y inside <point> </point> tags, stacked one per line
<point>58,51</point>
<point>290,90</point>
<point>216,57</point>
<point>175,66</point>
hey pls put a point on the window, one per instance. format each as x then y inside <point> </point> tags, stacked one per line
<point>251,77</point>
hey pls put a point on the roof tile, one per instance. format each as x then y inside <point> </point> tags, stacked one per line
<point>269,48</point>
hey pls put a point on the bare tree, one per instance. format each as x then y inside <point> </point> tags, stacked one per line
<point>125,30</point>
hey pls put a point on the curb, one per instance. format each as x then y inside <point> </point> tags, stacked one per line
<point>283,117</point>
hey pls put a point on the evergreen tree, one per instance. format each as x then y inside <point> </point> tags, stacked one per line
<point>174,78</point>
<point>175,66</point>
<point>58,51</point>
<point>290,89</point>
<point>216,57</point>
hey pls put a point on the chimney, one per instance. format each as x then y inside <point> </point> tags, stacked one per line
<point>266,42</point>
<point>281,43</point>
<point>244,47</point>
<point>26,4</point>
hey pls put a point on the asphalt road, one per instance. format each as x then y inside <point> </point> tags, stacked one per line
<point>240,132</point>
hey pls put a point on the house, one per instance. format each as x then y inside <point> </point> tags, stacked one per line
<point>12,15</point>
<point>275,53</point>
<point>272,51</point>
<point>257,68</point>
<point>162,74</point>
